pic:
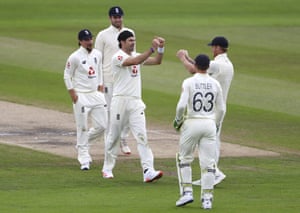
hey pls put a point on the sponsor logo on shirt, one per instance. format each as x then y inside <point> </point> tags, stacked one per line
<point>134,71</point>
<point>91,73</point>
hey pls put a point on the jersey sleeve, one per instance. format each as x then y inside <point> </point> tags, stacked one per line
<point>213,69</point>
<point>99,43</point>
<point>183,100</point>
<point>99,68</point>
<point>220,105</point>
<point>69,71</point>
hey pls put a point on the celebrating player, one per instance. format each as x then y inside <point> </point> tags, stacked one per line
<point>201,98</point>
<point>127,106</point>
<point>83,79</point>
<point>222,70</point>
<point>107,43</point>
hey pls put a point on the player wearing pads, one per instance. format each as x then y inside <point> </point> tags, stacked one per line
<point>127,106</point>
<point>107,43</point>
<point>222,70</point>
<point>202,100</point>
<point>83,79</point>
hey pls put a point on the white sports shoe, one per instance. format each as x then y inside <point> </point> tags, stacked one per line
<point>197,182</point>
<point>185,199</point>
<point>152,175</point>
<point>85,166</point>
<point>107,174</point>
<point>207,201</point>
<point>219,177</point>
<point>124,147</point>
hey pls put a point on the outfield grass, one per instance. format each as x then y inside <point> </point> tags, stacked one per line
<point>37,182</point>
<point>37,36</point>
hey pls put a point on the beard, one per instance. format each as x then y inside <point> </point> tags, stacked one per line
<point>89,48</point>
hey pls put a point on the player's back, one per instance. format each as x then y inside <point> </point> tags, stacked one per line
<point>203,92</point>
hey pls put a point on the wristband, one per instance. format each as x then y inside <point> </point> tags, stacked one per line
<point>161,50</point>
<point>152,49</point>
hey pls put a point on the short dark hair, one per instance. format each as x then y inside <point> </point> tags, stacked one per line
<point>202,62</point>
<point>124,35</point>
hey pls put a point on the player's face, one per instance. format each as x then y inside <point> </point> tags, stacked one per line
<point>116,21</point>
<point>87,44</point>
<point>214,50</point>
<point>130,43</point>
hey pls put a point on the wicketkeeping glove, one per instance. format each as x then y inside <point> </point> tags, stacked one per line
<point>177,124</point>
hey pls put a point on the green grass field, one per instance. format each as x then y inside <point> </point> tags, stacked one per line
<point>36,38</point>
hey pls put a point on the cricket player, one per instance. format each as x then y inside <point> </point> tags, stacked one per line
<point>221,68</point>
<point>127,106</point>
<point>202,100</point>
<point>107,43</point>
<point>83,79</point>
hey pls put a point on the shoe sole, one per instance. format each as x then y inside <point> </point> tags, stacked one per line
<point>155,178</point>
<point>183,204</point>
<point>84,169</point>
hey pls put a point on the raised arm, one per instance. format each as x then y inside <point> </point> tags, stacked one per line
<point>187,62</point>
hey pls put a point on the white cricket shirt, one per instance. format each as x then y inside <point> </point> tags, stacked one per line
<point>107,42</point>
<point>201,97</point>
<point>222,70</point>
<point>127,79</point>
<point>83,70</point>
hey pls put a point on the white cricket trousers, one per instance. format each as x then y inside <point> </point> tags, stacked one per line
<point>127,110</point>
<point>89,105</point>
<point>200,134</point>
<point>108,93</point>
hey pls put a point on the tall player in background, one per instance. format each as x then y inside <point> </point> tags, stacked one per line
<point>222,70</point>
<point>201,98</point>
<point>127,106</point>
<point>83,79</point>
<point>107,43</point>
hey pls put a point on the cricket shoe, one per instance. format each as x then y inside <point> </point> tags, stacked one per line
<point>219,177</point>
<point>124,147</point>
<point>185,199</point>
<point>197,182</point>
<point>85,166</point>
<point>151,175</point>
<point>107,174</point>
<point>207,201</point>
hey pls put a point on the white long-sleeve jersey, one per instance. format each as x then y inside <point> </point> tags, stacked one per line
<point>83,70</point>
<point>201,97</point>
<point>127,79</point>
<point>107,43</point>
<point>222,70</point>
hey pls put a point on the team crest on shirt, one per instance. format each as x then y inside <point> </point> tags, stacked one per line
<point>83,62</point>
<point>120,57</point>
